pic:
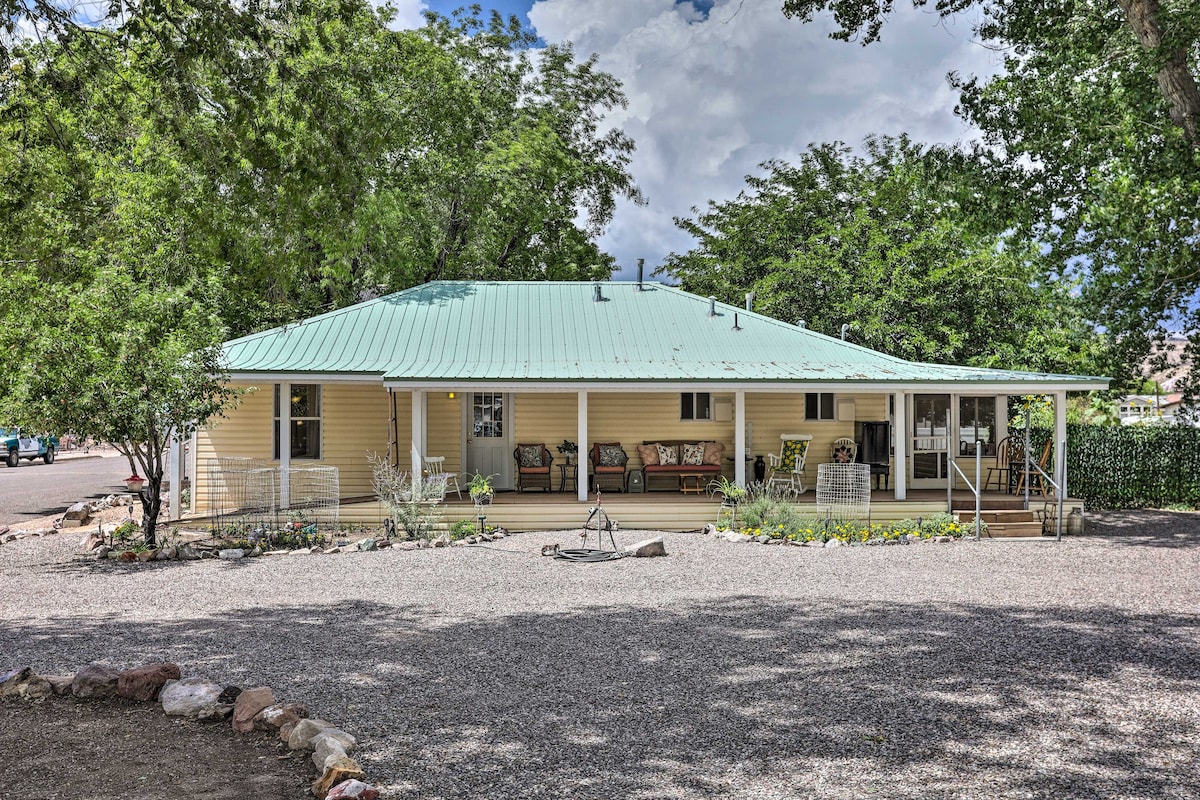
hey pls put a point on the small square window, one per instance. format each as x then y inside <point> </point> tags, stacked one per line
<point>695,406</point>
<point>820,406</point>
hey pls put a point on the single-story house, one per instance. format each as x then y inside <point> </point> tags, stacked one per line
<point>468,370</point>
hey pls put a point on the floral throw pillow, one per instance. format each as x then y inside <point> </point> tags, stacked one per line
<point>611,455</point>
<point>693,454</point>
<point>667,455</point>
<point>531,455</point>
<point>843,455</point>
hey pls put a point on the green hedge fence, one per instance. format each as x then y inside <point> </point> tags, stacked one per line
<point>1131,466</point>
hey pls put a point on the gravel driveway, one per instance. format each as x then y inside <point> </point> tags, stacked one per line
<point>998,669</point>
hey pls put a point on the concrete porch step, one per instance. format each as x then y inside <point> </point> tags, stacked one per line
<point>1002,530</point>
<point>1001,516</point>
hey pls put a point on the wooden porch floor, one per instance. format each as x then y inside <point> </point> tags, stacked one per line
<point>673,511</point>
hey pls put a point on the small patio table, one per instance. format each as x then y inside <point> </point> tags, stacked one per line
<point>568,472</point>
<point>691,482</point>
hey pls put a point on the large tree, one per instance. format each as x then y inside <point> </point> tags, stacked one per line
<point>884,242</point>
<point>179,174</point>
<point>1098,104</point>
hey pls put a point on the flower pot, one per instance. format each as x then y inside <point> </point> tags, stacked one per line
<point>134,486</point>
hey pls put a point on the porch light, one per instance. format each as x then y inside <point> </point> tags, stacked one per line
<point>450,395</point>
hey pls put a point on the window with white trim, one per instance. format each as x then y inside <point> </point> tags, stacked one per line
<point>695,406</point>
<point>305,422</point>
<point>820,406</point>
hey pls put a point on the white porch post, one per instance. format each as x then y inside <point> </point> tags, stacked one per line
<point>418,432</point>
<point>1001,420</point>
<point>285,445</point>
<point>175,507</point>
<point>739,437</point>
<point>581,477</point>
<point>901,434</point>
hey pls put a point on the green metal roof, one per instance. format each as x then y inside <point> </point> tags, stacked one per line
<point>557,332</point>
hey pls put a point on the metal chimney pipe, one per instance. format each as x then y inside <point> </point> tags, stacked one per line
<point>845,330</point>
<point>596,296</point>
<point>801,323</point>
<point>750,300</point>
<point>712,306</point>
<point>640,263</point>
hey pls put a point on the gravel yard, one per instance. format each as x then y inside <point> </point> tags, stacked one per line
<point>998,669</point>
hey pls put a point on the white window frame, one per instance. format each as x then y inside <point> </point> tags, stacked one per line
<point>832,407</point>
<point>318,403</point>
<point>693,396</point>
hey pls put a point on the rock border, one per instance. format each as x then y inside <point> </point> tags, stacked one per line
<point>730,535</point>
<point>340,776</point>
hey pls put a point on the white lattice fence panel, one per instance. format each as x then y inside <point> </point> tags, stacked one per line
<point>844,491</point>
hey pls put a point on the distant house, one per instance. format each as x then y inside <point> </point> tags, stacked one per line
<point>469,370</point>
<point>1136,409</point>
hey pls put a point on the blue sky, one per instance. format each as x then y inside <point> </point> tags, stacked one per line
<point>715,87</point>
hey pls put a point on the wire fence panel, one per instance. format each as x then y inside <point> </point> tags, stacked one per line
<point>844,491</point>
<point>248,493</point>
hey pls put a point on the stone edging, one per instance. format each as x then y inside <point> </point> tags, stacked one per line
<point>197,698</point>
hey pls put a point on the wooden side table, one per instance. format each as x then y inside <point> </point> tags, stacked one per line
<point>691,482</point>
<point>568,472</point>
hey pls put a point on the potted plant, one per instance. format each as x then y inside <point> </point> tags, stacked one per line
<point>730,492</point>
<point>481,490</point>
<point>568,448</point>
<point>135,482</point>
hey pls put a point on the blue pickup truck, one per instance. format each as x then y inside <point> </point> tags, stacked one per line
<point>15,445</point>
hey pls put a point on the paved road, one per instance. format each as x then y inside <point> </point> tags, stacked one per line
<point>35,489</point>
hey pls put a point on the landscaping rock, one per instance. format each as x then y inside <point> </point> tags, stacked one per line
<point>407,545</point>
<point>248,705</point>
<point>814,543</point>
<point>331,550</point>
<point>193,698</point>
<point>273,718</point>
<point>353,790</point>
<point>34,688</point>
<point>304,732</point>
<point>834,543</point>
<point>893,542</point>
<point>145,682</point>
<point>232,554</point>
<point>60,684</point>
<point>185,552</point>
<point>9,681</point>
<point>128,556</point>
<point>734,536</point>
<point>873,542</point>
<point>147,555</point>
<point>647,548</point>
<point>941,538</point>
<point>91,542</point>
<point>102,552</point>
<point>367,544</point>
<point>77,515</point>
<point>95,680</point>
<point>167,554</point>
<point>326,748</point>
<point>341,770</point>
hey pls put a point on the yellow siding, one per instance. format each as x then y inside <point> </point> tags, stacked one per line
<point>548,418</point>
<point>443,427</point>
<point>246,432</point>
<point>354,423</point>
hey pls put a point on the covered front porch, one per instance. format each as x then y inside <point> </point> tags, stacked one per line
<point>530,511</point>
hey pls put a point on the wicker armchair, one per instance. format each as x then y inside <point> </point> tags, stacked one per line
<point>608,466</point>
<point>533,466</point>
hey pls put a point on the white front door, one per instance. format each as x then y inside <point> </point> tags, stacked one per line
<point>930,431</point>
<point>489,443</point>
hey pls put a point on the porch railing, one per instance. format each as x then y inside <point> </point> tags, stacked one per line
<point>974,487</point>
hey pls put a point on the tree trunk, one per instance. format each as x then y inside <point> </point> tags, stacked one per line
<point>1175,80</point>
<point>151,497</point>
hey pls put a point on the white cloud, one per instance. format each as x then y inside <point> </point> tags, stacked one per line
<point>409,13</point>
<point>710,98</point>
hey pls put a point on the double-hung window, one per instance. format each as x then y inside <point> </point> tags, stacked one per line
<point>305,422</point>
<point>820,406</point>
<point>695,406</point>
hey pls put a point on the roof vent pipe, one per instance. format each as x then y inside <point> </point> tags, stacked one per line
<point>596,296</point>
<point>750,300</point>
<point>712,306</point>
<point>845,330</point>
<point>736,327</point>
<point>801,323</point>
<point>641,262</point>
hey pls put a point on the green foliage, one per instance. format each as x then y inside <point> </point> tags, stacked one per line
<point>768,507</point>
<point>801,529</point>
<point>480,486</point>
<point>888,243</point>
<point>414,506</point>
<point>463,528</point>
<point>1096,116</point>
<point>1133,466</point>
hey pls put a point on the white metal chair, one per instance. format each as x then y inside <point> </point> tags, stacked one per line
<point>843,451</point>
<point>787,468</point>
<point>434,467</point>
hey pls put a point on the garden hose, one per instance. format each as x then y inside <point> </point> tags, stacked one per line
<point>584,555</point>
